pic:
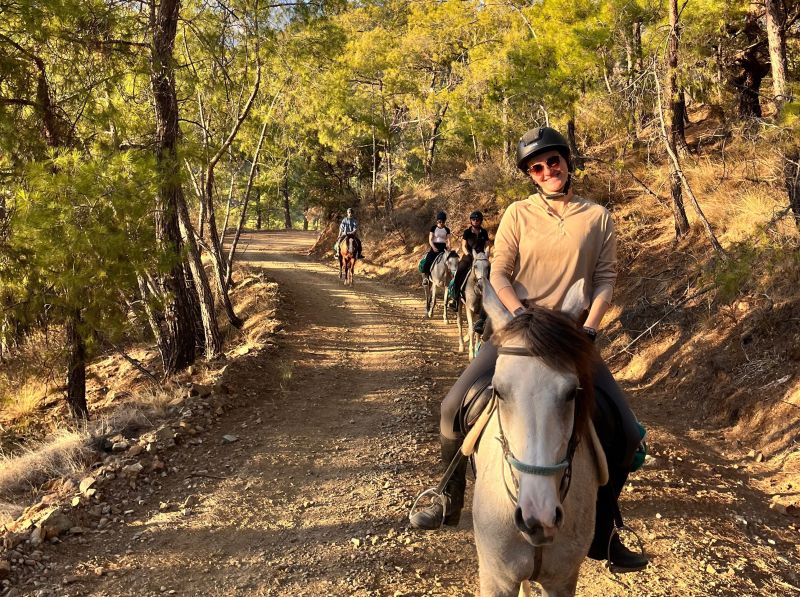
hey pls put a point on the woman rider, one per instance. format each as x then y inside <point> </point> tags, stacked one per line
<point>438,240</point>
<point>475,238</point>
<point>543,245</point>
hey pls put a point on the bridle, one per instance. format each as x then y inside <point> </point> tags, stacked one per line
<point>565,466</point>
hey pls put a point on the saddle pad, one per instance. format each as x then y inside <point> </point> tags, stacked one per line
<point>599,456</point>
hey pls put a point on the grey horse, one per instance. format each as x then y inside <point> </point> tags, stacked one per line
<point>530,521</point>
<point>442,271</point>
<point>473,299</point>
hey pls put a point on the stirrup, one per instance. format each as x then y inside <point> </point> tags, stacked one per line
<point>436,497</point>
<point>616,533</point>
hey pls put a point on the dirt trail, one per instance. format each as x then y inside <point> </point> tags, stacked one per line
<point>337,432</point>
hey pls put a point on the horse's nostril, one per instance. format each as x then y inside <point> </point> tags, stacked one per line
<point>559,516</point>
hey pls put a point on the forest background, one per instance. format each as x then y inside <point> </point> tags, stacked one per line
<point>138,138</point>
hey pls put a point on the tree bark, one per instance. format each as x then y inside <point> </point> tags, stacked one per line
<point>245,201</point>
<point>677,172</point>
<point>750,67</point>
<point>776,39</point>
<point>287,211</point>
<point>674,92</point>
<point>205,299</point>
<point>178,348</point>
<point>76,369</point>
<point>430,146</point>
<point>577,160</point>
<point>791,177</point>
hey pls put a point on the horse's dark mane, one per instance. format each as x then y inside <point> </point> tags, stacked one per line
<point>561,344</point>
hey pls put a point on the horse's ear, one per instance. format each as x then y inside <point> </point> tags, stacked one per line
<point>498,315</point>
<point>575,302</point>
<point>474,254</point>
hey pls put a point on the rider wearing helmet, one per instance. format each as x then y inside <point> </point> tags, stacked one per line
<point>475,238</point>
<point>349,225</point>
<point>438,240</point>
<point>544,244</point>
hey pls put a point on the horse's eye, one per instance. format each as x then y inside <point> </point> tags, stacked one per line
<point>573,394</point>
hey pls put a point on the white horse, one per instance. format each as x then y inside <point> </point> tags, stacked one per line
<point>537,473</point>
<point>442,271</point>
<point>473,298</point>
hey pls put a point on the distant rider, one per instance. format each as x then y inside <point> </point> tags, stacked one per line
<point>438,240</point>
<point>349,225</point>
<point>475,238</point>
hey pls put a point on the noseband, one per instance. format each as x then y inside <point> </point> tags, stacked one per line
<point>533,469</point>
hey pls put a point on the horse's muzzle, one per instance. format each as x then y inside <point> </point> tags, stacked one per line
<point>533,531</point>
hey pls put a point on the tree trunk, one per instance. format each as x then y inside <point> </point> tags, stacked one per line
<point>212,341</point>
<point>677,172</point>
<point>305,219</point>
<point>76,371</point>
<point>178,350</point>
<point>227,211</point>
<point>259,209</point>
<point>430,147</point>
<point>674,92</point>
<point>287,210</point>
<point>750,66</point>
<point>245,201</point>
<point>678,210</point>
<point>577,160</point>
<point>776,38</point>
<point>791,177</point>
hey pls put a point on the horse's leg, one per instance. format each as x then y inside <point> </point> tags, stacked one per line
<point>567,587</point>
<point>433,299</point>
<point>460,331</point>
<point>471,354</point>
<point>495,586</point>
<point>444,302</point>
<point>427,289</point>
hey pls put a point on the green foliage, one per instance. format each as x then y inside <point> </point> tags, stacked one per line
<point>82,232</point>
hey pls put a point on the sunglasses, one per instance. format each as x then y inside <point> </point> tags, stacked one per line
<point>553,163</point>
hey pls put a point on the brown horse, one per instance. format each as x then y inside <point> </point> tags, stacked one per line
<point>348,255</point>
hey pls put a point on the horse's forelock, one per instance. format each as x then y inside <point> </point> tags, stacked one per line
<point>556,339</point>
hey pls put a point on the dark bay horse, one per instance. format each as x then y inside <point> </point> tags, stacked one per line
<point>348,255</point>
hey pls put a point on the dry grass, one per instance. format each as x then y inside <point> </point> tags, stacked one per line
<point>23,401</point>
<point>64,454</point>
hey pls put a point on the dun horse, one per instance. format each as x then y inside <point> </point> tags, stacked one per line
<point>473,298</point>
<point>348,255</point>
<point>442,271</point>
<point>536,470</point>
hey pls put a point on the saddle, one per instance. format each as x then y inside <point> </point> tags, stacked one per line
<point>474,402</point>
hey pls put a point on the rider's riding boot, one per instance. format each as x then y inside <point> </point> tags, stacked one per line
<point>606,542</point>
<point>453,303</point>
<point>623,559</point>
<point>478,326</point>
<point>430,518</point>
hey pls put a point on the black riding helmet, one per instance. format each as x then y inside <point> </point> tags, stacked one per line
<point>441,216</point>
<point>537,141</point>
<point>476,215</point>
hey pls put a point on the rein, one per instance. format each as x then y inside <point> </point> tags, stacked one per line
<point>532,469</point>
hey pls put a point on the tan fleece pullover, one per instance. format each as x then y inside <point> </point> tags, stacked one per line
<point>542,254</point>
